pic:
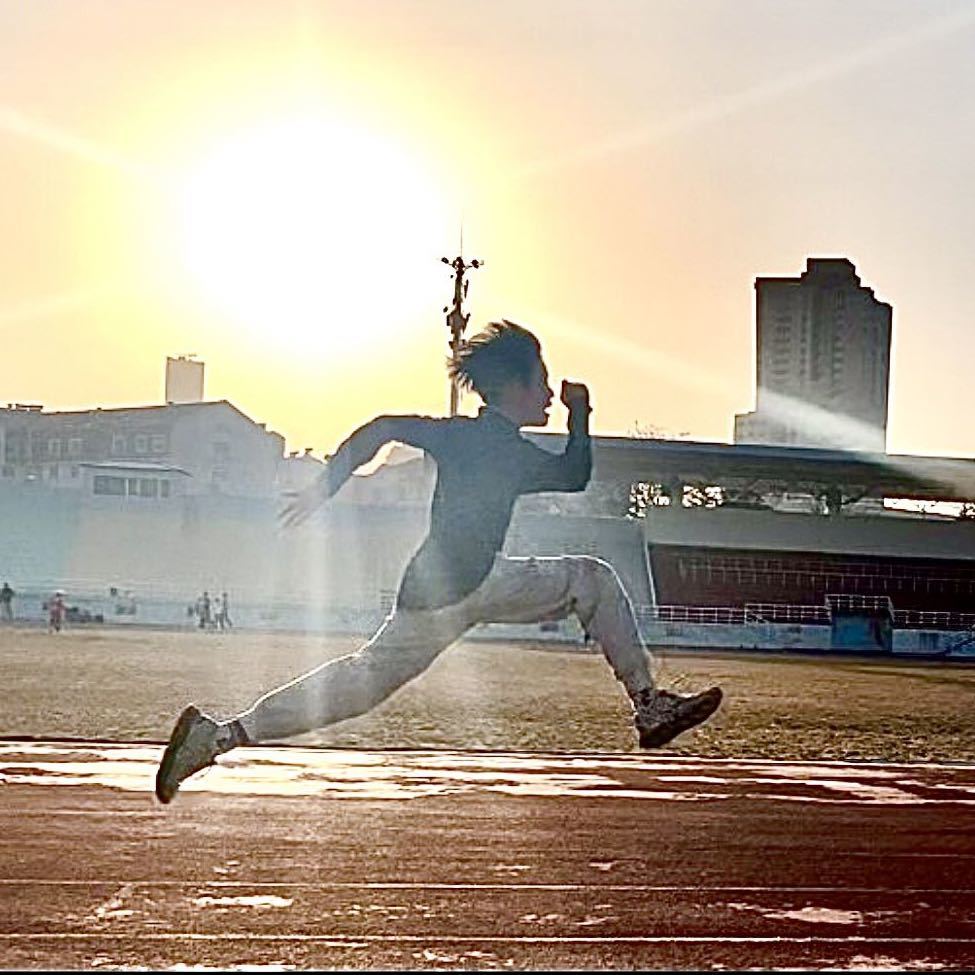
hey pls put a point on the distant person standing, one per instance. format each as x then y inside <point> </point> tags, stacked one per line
<point>206,619</point>
<point>223,613</point>
<point>6,602</point>
<point>55,612</point>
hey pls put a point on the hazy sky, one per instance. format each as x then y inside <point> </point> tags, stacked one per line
<point>271,186</point>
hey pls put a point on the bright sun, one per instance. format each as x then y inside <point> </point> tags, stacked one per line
<point>315,233</point>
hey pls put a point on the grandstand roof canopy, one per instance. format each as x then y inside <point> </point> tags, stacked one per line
<point>746,466</point>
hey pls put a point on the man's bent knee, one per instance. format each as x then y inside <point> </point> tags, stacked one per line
<point>596,572</point>
<point>592,580</point>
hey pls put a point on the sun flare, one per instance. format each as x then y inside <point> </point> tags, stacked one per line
<point>313,232</point>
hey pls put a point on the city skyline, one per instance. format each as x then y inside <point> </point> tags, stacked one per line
<point>624,201</point>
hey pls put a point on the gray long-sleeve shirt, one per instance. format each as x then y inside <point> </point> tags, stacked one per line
<point>483,466</point>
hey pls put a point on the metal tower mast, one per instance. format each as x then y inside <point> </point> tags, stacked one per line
<point>456,319</point>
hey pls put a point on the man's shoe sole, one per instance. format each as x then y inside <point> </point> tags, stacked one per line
<point>184,724</point>
<point>664,732</point>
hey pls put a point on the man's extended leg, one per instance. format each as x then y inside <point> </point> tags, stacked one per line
<point>529,590</point>
<point>403,647</point>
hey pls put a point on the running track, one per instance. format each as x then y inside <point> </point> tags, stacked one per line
<point>290,857</point>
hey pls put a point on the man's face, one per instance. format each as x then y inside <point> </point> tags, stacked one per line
<point>534,398</point>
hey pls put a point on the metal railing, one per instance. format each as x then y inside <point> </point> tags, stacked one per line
<point>735,615</point>
<point>925,619</point>
<point>803,614</point>
<point>847,602</point>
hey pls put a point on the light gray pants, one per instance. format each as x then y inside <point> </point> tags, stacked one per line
<point>517,590</point>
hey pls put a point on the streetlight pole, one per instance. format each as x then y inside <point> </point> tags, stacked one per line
<point>456,319</point>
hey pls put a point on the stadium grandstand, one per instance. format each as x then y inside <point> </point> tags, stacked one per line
<point>857,546</point>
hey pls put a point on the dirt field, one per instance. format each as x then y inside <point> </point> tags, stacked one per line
<point>126,684</point>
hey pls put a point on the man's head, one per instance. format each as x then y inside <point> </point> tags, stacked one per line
<point>503,365</point>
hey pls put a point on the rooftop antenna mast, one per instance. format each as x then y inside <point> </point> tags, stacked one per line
<point>456,318</point>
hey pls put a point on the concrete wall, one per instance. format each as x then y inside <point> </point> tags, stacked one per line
<point>347,559</point>
<point>784,636</point>
<point>270,615</point>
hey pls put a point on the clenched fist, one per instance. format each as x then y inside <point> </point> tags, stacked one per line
<point>575,395</point>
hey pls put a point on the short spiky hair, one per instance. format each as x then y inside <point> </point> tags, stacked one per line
<point>504,352</point>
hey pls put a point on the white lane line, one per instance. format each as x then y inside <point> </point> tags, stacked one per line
<point>341,885</point>
<point>327,755</point>
<point>12,742</point>
<point>481,939</point>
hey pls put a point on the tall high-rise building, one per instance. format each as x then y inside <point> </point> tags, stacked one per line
<point>823,361</point>
<point>184,380</point>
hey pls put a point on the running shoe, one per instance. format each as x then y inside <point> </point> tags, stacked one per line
<point>664,715</point>
<point>193,746</point>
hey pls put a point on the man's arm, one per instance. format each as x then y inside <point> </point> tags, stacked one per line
<point>570,470</point>
<point>358,449</point>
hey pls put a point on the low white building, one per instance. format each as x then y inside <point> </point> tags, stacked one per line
<point>216,446</point>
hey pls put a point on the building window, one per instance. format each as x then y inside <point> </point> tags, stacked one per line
<point>157,443</point>
<point>221,449</point>
<point>54,448</point>
<point>74,446</point>
<point>75,470</point>
<point>52,472</point>
<point>164,488</point>
<point>141,442</point>
<point>133,487</point>
<point>118,444</point>
<point>109,485</point>
<point>8,470</point>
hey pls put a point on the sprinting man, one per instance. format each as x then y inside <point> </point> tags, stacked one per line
<point>458,577</point>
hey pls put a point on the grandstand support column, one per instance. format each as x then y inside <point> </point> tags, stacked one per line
<point>833,500</point>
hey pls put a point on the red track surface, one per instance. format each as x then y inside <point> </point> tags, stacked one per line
<point>300,858</point>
